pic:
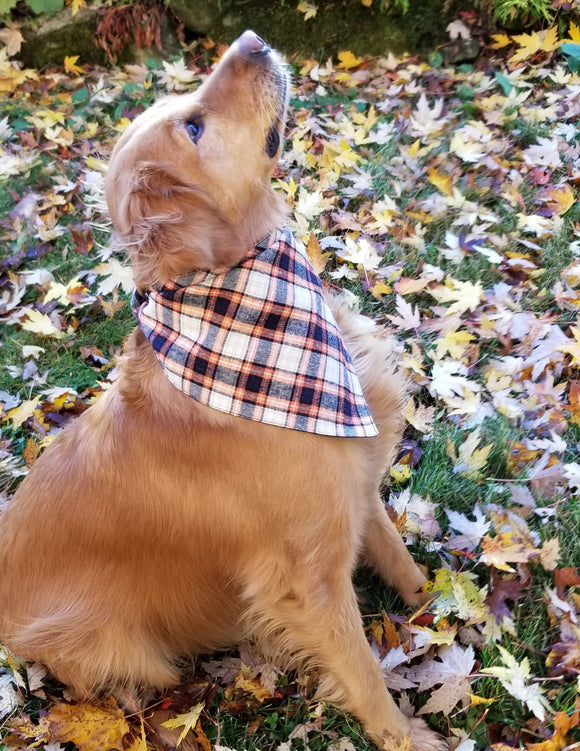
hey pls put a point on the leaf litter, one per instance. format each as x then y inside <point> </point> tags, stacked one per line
<point>444,201</point>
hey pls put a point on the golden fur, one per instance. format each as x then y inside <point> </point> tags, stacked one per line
<point>155,527</point>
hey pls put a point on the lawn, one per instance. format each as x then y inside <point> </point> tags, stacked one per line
<point>443,200</point>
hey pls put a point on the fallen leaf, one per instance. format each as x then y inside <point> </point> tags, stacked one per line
<point>187,720</point>
<point>470,459</point>
<point>12,38</point>
<point>317,258</point>
<point>71,67</point>
<point>537,41</point>
<point>90,727</point>
<point>309,9</point>
<point>41,323</point>
<point>514,677</point>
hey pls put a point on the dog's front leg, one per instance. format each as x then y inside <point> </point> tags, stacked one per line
<point>320,621</point>
<point>386,553</point>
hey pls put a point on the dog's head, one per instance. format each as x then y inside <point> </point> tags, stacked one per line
<point>188,185</point>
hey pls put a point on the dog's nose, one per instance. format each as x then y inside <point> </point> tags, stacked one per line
<point>251,44</point>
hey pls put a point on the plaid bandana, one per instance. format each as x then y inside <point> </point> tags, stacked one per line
<point>258,341</point>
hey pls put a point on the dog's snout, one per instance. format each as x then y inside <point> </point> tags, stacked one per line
<point>251,44</point>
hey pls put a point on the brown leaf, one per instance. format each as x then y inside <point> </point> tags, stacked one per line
<point>504,590</point>
<point>565,577</point>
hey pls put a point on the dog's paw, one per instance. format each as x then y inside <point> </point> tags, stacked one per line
<point>419,737</point>
<point>416,599</point>
<point>425,739</point>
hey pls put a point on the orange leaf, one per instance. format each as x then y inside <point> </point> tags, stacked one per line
<point>558,741</point>
<point>574,396</point>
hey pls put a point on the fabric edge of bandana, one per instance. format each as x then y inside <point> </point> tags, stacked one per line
<point>359,424</point>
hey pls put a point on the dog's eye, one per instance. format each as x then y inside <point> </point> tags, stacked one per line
<point>194,130</point>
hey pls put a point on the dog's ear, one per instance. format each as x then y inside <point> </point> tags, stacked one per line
<point>171,229</point>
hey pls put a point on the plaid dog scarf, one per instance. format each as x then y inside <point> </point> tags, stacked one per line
<point>258,341</point>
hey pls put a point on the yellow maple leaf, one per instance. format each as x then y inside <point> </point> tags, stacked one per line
<point>20,414</point>
<point>443,182</point>
<point>44,119</point>
<point>348,60</point>
<point>444,637</point>
<point>318,259</point>
<point>252,686</point>
<point>346,156</point>
<point>71,67</point>
<point>140,742</point>
<point>40,323</point>
<point>367,3</point>
<point>289,187</point>
<point>76,5</point>
<point>470,459</point>
<point>550,41</point>
<point>537,41</point>
<point>504,548</point>
<point>122,124</point>
<point>379,289</point>
<point>88,726</point>
<point>454,342</point>
<point>475,700</point>
<point>309,9</point>
<point>414,147</point>
<point>458,593</point>
<point>100,165</point>
<point>573,34</point>
<point>90,131</point>
<point>499,41</point>
<point>420,416</point>
<point>559,199</point>
<point>366,119</point>
<point>345,78</point>
<point>574,347</point>
<point>464,295</point>
<point>11,76</point>
<point>400,472</point>
<point>187,720</point>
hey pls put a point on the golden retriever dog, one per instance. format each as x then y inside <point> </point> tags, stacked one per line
<point>157,526</point>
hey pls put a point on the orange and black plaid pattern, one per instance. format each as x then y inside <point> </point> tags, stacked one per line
<point>258,341</point>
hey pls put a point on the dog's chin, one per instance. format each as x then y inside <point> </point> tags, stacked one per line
<point>281,84</point>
